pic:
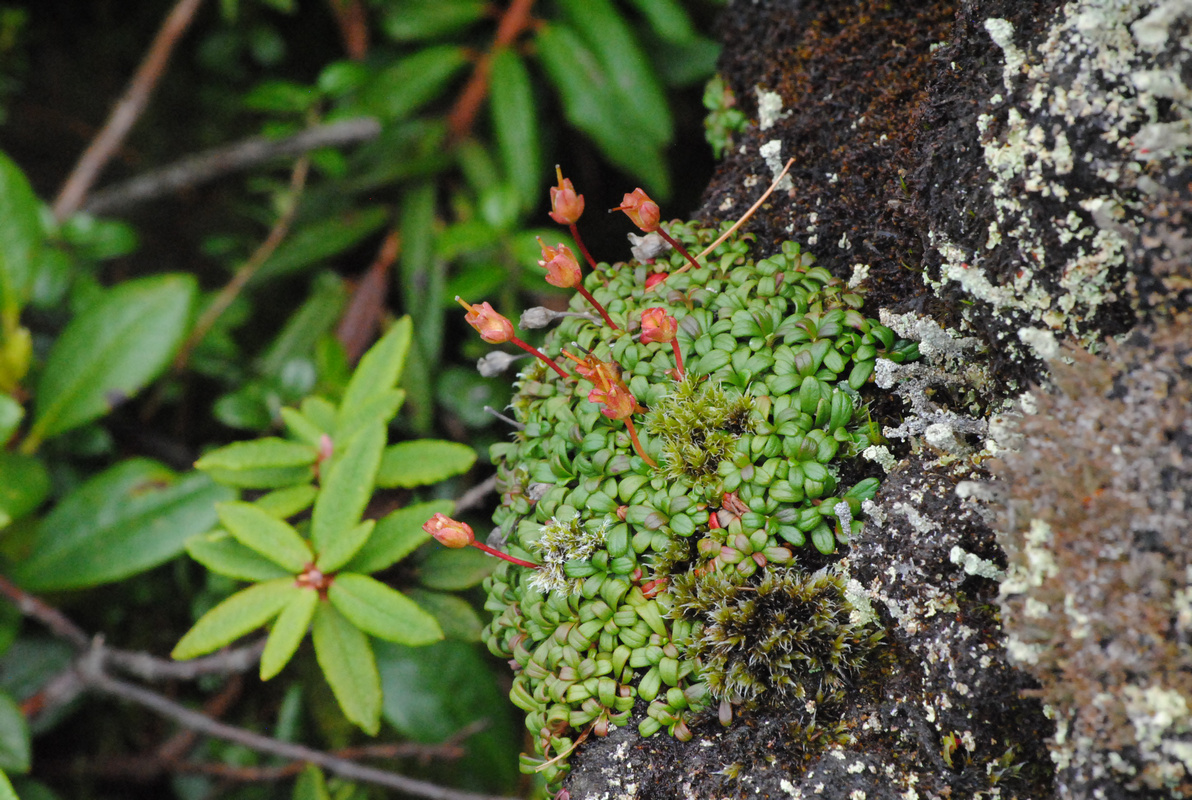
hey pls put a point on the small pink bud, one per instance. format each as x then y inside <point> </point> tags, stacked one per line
<point>449,532</point>
<point>565,205</point>
<point>491,326</point>
<point>658,326</point>
<point>562,268</point>
<point>641,209</point>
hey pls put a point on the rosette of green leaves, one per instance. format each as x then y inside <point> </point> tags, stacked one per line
<point>316,573</point>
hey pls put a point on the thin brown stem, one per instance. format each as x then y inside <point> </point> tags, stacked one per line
<point>249,268</point>
<point>515,19</point>
<point>678,359</point>
<point>209,165</point>
<point>637,445</point>
<point>534,351</point>
<point>675,243</point>
<point>91,672</point>
<point>126,112</point>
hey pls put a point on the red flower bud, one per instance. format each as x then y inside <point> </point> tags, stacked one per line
<point>658,326</point>
<point>562,268</point>
<point>565,205</point>
<point>641,209</point>
<point>449,532</point>
<point>491,326</point>
<point>617,401</point>
<point>655,278</point>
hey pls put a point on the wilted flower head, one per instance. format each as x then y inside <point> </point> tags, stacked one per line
<point>617,400</point>
<point>562,268</point>
<point>491,326</point>
<point>566,206</point>
<point>658,326</point>
<point>641,209</point>
<point>494,363</point>
<point>449,532</point>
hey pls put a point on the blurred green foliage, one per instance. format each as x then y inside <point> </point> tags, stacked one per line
<point>212,318</point>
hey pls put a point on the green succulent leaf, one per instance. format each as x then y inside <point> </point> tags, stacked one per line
<point>11,414</point>
<point>239,614</point>
<point>288,631</point>
<point>397,535</point>
<point>266,463</point>
<point>423,462</point>
<point>269,536</point>
<point>347,661</point>
<point>347,487</point>
<point>127,519</point>
<point>110,351</point>
<point>14,736</point>
<point>381,611</point>
<point>219,552</point>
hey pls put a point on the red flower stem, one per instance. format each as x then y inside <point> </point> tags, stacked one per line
<point>534,351</point>
<point>588,296</point>
<point>675,244</point>
<point>582,247</point>
<point>638,445</point>
<point>678,358</point>
<point>505,556</point>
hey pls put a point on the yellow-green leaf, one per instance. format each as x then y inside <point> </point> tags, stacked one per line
<point>267,463</point>
<point>381,611</point>
<point>423,462</point>
<point>266,534</point>
<point>241,613</point>
<point>347,661</point>
<point>396,536</point>
<point>288,632</point>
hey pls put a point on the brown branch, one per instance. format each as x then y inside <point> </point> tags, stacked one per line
<point>127,110</point>
<point>90,669</point>
<point>358,325</point>
<point>249,268</point>
<point>32,606</point>
<point>474,496</point>
<point>211,164</point>
<point>514,20</point>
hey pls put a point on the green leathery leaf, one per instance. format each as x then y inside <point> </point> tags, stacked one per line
<point>6,790</point>
<point>316,316</point>
<point>667,19</point>
<point>347,661</point>
<point>285,503</point>
<point>266,463</point>
<point>258,530</point>
<point>381,611</point>
<point>219,552</point>
<point>21,236</point>
<point>594,105</point>
<point>341,548</point>
<point>24,485</point>
<point>377,371</point>
<point>423,462</point>
<point>301,427</point>
<point>411,82</point>
<point>625,63</point>
<point>288,631</point>
<point>396,535</point>
<point>455,570</point>
<point>515,124</point>
<point>455,615</point>
<point>117,345</point>
<point>127,519</point>
<point>319,239</point>
<point>347,487</point>
<point>14,736</point>
<point>239,614</point>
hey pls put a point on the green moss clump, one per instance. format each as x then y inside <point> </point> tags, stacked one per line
<point>747,502</point>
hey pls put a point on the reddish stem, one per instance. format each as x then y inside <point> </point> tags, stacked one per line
<point>637,445</point>
<point>505,556</point>
<point>582,247</point>
<point>675,244</point>
<point>588,296</point>
<point>534,351</point>
<point>678,358</point>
